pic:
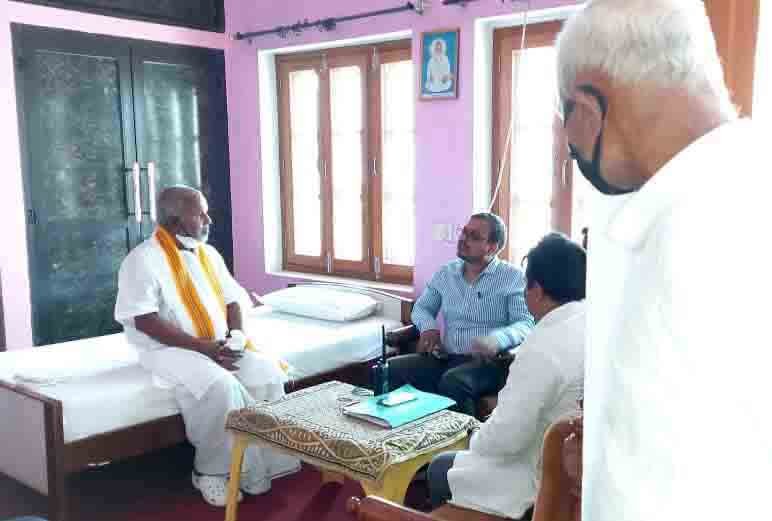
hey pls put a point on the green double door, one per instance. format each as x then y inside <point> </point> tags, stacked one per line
<point>106,124</point>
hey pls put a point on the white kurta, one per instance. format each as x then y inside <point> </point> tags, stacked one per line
<point>500,471</point>
<point>677,422</point>
<point>146,285</point>
<point>205,391</point>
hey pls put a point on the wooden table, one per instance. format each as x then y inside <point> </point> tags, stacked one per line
<point>311,426</point>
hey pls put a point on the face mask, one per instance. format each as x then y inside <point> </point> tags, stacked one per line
<point>591,169</point>
<point>191,243</point>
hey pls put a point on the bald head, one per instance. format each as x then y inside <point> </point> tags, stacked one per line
<point>174,201</point>
<point>183,210</point>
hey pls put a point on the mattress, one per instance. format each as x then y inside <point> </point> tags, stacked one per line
<point>312,346</point>
<point>87,374</point>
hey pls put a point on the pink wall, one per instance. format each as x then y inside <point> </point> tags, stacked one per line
<point>443,128</point>
<point>13,254</point>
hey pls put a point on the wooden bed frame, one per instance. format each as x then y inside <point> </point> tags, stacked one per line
<point>32,425</point>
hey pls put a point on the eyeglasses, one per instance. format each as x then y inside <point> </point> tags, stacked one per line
<point>568,107</point>
<point>471,235</point>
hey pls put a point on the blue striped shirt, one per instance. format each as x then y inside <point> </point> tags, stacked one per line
<point>493,305</point>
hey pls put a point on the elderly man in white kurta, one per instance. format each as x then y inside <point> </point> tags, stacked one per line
<point>677,423</point>
<point>179,304</point>
<point>499,473</point>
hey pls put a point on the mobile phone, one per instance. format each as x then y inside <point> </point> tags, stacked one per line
<point>396,398</point>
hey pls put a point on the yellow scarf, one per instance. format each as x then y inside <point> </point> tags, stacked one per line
<point>202,322</point>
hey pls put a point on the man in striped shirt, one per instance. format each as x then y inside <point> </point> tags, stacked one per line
<point>483,304</point>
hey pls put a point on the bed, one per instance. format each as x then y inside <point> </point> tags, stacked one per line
<point>50,428</point>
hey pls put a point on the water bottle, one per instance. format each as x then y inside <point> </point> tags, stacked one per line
<point>379,378</point>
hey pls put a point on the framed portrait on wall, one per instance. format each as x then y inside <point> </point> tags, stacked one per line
<point>439,65</point>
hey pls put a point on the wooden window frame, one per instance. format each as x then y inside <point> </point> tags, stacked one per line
<point>736,26</point>
<point>368,58</point>
<point>505,42</point>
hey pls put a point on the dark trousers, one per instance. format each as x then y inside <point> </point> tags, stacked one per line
<point>437,478</point>
<point>439,488</point>
<point>461,377</point>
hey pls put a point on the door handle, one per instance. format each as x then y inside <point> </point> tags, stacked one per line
<point>137,196</point>
<point>151,190</point>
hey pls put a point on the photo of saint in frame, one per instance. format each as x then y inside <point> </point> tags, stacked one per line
<point>439,65</point>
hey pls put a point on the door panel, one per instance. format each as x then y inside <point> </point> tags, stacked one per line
<point>201,14</point>
<point>182,129</point>
<point>78,143</point>
<point>91,107</point>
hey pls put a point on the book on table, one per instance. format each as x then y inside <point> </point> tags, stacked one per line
<point>398,407</point>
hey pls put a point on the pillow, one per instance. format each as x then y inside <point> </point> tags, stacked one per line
<point>324,303</point>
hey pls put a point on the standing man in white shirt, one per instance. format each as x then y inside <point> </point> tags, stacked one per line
<point>179,304</point>
<point>676,420</point>
<point>499,473</point>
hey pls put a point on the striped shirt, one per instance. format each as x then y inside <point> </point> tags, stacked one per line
<point>493,305</point>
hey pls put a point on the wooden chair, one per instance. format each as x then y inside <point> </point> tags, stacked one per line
<point>373,508</point>
<point>558,499</point>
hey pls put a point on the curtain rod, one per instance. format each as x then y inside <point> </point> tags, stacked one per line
<point>328,24</point>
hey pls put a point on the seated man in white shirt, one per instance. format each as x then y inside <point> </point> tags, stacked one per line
<point>179,304</point>
<point>500,471</point>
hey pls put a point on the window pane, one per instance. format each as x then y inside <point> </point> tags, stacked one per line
<point>762,83</point>
<point>304,140</point>
<point>533,102</point>
<point>347,133</point>
<point>398,158</point>
<point>581,195</point>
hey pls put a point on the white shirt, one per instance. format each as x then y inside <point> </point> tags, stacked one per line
<point>146,285</point>
<point>499,473</point>
<point>677,422</point>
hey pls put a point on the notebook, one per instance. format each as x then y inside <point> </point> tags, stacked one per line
<point>423,404</point>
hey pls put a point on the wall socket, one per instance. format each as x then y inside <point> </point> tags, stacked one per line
<point>444,232</point>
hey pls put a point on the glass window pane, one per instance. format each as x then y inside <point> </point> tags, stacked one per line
<point>762,83</point>
<point>533,102</point>
<point>581,196</point>
<point>398,158</point>
<point>347,184</point>
<point>304,142</point>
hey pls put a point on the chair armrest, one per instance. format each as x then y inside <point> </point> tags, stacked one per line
<point>404,338</point>
<point>373,508</point>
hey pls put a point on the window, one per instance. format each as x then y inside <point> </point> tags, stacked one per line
<point>347,135</point>
<point>735,27</point>
<point>762,107</point>
<point>535,194</point>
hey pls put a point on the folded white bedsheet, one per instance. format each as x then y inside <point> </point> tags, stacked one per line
<point>67,361</point>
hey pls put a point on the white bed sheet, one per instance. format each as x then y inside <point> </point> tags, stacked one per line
<point>312,346</point>
<point>102,388</point>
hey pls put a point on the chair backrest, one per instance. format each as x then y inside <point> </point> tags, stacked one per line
<point>559,496</point>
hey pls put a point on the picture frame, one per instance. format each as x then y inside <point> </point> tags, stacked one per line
<point>438,73</point>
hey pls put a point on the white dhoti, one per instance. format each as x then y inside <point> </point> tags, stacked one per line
<point>206,393</point>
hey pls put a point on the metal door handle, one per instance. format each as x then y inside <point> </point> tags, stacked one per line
<point>151,189</point>
<point>137,201</point>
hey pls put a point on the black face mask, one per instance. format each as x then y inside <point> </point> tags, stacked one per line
<point>591,169</point>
